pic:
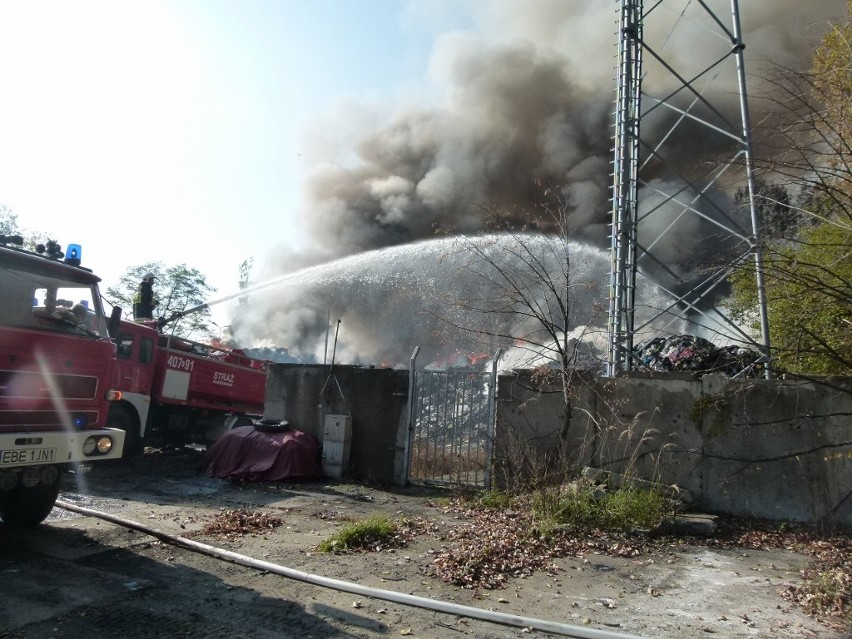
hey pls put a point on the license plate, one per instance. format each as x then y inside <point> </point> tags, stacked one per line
<point>21,456</point>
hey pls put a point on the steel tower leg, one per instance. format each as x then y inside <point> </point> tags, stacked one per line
<point>625,188</point>
<point>755,223</point>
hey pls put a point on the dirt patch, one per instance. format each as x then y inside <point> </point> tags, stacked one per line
<point>671,590</point>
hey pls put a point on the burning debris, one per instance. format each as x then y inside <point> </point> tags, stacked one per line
<point>696,354</point>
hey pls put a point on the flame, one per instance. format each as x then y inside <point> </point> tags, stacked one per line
<point>457,360</point>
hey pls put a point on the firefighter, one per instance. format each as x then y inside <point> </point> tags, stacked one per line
<point>144,301</point>
<point>81,314</point>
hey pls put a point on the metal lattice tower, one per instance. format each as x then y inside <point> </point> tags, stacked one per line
<point>684,105</point>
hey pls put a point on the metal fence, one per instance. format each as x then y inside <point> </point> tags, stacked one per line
<point>451,426</point>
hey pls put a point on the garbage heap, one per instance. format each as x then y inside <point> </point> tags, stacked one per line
<point>696,354</point>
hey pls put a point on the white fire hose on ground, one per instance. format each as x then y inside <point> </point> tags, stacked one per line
<point>346,586</point>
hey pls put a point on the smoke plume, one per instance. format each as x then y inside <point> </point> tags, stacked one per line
<point>523,103</point>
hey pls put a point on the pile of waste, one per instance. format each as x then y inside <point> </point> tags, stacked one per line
<point>696,354</point>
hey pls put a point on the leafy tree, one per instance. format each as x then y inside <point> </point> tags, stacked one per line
<point>177,289</point>
<point>805,141</point>
<point>807,152</point>
<point>832,77</point>
<point>810,300</point>
<point>9,226</point>
<point>8,221</point>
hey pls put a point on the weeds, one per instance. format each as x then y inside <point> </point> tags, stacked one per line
<point>827,593</point>
<point>543,525</point>
<point>629,508</point>
<point>365,534</point>
<point>592,508</point>
<point>496,499</point>
<point>375,534</point>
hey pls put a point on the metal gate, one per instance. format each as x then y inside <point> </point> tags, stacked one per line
<point>451,426</point>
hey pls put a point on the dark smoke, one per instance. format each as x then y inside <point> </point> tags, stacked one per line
<point>512,120</point>
<point>524,104</point>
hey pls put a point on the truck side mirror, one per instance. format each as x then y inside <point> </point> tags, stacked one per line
<point>114,322</point>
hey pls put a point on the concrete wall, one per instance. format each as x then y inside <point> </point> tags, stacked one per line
<point>780,449</point>
<point>638,425</point>
<point>376,399</point>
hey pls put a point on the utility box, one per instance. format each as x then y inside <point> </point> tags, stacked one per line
<point>336,442</point>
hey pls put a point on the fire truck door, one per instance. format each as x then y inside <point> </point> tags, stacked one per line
<point>135,363</point>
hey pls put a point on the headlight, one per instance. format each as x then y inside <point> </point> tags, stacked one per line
<point>104,445</point>
<point>89,446</point>
<point>97,445</point>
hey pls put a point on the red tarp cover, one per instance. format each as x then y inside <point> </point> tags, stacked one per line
<point>247,453</point>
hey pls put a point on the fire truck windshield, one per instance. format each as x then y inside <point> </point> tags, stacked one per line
<point>47,301</point>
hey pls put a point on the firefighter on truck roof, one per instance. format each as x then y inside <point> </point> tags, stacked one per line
<point>144,301</point>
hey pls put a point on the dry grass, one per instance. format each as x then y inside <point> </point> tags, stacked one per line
<point>447,463</point>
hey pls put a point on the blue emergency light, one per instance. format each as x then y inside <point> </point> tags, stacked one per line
<point>73,254</point>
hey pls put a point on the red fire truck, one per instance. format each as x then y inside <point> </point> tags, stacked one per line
<point>168,389</point>
<point>55,369</point>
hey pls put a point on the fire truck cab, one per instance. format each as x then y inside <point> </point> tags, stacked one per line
<point>56,361</point>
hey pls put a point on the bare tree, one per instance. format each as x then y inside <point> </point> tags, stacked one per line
<point>525,296</point>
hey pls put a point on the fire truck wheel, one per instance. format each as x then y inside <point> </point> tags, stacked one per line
<point>118,418</point>
<point>23,506</point>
